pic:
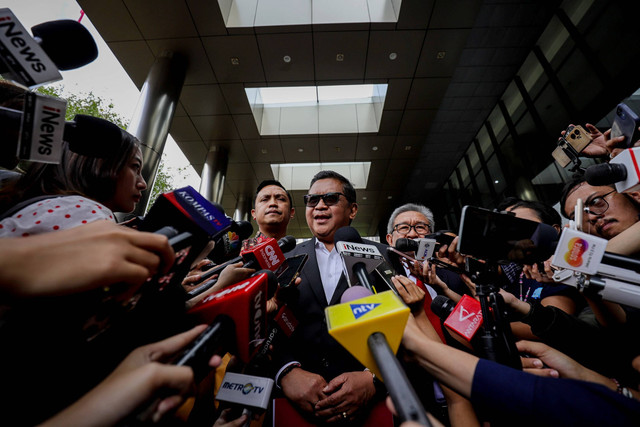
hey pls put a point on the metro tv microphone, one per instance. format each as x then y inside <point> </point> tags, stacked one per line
<point>358,259</point>
<point>245,303</point>
<point>55,45</point>
<point>371,328</point>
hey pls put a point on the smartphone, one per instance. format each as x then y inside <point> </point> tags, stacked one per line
<point>503,238</point>
<point>294,266</point>
<point>441,237</point>
<point>626,124</point>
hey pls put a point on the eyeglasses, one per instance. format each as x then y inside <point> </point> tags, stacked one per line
<point>329,199</point>
<point>597,205</point>
<point>403,229</point>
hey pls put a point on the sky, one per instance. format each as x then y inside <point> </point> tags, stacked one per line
<point>105,77</point>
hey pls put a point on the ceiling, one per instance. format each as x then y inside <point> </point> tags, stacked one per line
<point>454,61</point>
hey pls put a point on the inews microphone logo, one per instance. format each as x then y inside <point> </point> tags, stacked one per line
<point>360,310</point>
<point>577,247</point>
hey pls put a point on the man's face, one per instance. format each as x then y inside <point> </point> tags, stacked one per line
<point>413,219</point>
<point>323,220</point>
<point>272,206</point>
<point>601,220</point>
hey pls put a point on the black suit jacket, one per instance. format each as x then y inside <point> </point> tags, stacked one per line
<point>311,344</point>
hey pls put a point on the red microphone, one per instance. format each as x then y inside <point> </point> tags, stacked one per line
<point>245,303</point>
<point>465,318</point>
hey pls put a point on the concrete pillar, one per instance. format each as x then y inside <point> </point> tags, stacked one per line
<point>243,208</point>
<point>214,173</point>
<point>154,113</point>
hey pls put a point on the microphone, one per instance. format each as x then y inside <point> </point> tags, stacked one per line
<point>423,247</point>
<point>228,246</point>
<point>245,303</point>
<point>622,170</point>
<point>33,61</point>
<point>370,328</point>
<point>37,132</point>
<point>465,318</point>
<point>358,259</point>
<point>250,392</point>
<point>265,256</point>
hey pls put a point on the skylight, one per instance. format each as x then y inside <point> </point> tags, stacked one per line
<point>265,13</point>
<point>297,176</point>
<point>317,109</point>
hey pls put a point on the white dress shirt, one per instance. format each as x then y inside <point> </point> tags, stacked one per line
<point>330,267</point>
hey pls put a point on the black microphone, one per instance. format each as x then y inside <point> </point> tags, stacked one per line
<point>67,42</point>
<point>85,135</point>
<point>358,258</point>
<point>228,246</point>
<point>404,244</point>
<point>605,174</point>
<point>36,60</point>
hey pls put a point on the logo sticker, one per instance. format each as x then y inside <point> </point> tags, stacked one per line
<point>360,310</point>
<point>577,247</point>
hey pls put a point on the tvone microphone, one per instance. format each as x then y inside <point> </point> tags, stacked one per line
<point>33,61</point>
<point>358,259</point>
<point>622,170</point>
<point>245,303</point>
<point>371,328</point>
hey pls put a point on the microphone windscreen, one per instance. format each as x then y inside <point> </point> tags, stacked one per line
<point>67,42</point>
<point>347,234</point>
<point>605,174</point>
<point>244,229</point>
<point>287,243</point>
<point>93,137</point>
<point>354,293</point>
<point>442,306</point>
<point>406,245</point>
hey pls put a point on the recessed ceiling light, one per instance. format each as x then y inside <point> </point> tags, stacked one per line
<point>264,151</point>
<point>340,57</point>
<point>441,54</point>
<point>407,147</point>
<point>364,197</point>
<point>496,182</point>
<point>389,197</point>
<point>286,58</point>
<point>235,61</point>
<point>374,148</point>
<point>300,150</point>
<point>393,56</point>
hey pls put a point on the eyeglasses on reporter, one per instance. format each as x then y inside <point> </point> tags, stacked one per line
<point>404,229</point>
<point>598,205</point>
<point>329,199</point>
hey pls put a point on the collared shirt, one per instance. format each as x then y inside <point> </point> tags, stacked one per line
<point>414,279</point>
<point>330,267</point>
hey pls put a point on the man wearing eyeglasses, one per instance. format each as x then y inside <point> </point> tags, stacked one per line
<point>606,212</point>
<point>318,375</point>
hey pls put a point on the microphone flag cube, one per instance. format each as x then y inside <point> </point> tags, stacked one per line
<point>351,323</point>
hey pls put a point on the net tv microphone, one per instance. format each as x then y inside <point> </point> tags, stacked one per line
<point>371,328</point>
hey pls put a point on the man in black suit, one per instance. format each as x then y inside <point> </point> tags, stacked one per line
<point>318,375</point>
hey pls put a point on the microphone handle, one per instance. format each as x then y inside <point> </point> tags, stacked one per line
<point>360,270</point>
<point>219,268</point>
<point>402,393</point>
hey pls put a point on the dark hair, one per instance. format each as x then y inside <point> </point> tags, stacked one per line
<point>347,187</point>
<point>575,181</point>
<point>545,213</point>
<point>268,182</point>
<point>76,174</point>
<point>507,202</point>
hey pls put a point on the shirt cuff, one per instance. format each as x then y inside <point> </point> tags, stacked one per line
<point>283,369</point>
